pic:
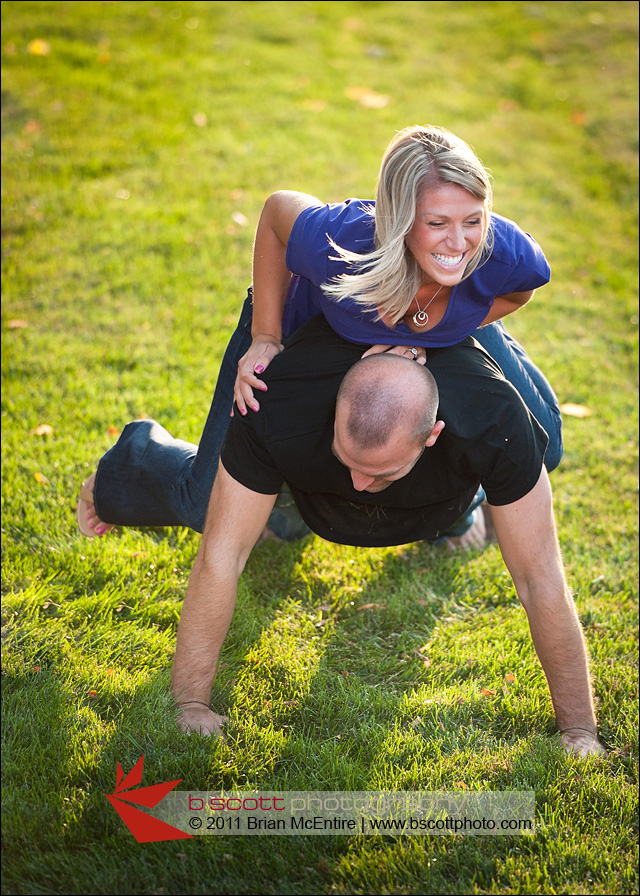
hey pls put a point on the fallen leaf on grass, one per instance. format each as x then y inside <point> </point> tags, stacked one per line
<point>579,118</point>
<point>41,478</point>
<point>240,219</point>
<point>113,431</point>
<point>509,677</point>
<point>372,607</point>
<point>367,98</point>
<point>92,695</point>
<point>42,429</point>
<point>487,692</point>
<point>39,47</point>
<point>462,785</point>
<point>575,410</point>
<point>312,105</point>
<point>17,324</point>
<point>200,119</point>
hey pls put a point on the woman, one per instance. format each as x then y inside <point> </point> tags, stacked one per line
<point>426,266</point>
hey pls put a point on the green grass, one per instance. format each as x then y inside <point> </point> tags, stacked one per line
<point>127,151</point>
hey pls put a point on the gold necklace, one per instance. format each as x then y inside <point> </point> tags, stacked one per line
<point>421,318</point>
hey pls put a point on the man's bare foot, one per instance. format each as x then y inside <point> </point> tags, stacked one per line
<point>88,522</point>
<point>583,742</point>
<point>474,537</point>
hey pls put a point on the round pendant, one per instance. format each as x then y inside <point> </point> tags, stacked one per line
<point>421,318</point>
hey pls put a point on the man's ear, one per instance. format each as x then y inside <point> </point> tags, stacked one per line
<point>435,432</point>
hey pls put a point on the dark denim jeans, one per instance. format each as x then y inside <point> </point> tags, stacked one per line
<point>148,478</point>
<point>534,388</point>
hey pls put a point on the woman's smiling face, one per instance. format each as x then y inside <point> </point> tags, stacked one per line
<point>447,230</point>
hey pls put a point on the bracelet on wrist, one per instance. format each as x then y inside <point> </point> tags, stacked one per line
<point>592,731</point>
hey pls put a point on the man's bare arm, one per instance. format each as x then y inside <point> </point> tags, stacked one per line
<point>527,537</point>
<point>235,520</point>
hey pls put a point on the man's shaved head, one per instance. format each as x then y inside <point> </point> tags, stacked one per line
<point>383,394</point>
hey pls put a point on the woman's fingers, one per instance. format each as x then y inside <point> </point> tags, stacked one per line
<point>413,354</point>
<point>377,350</point>
<point>254,362</point>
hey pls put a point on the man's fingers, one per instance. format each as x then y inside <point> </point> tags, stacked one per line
<point>575,740</point>
<point>200,720</point>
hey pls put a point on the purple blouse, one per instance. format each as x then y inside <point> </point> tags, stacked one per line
<point>516,264</point>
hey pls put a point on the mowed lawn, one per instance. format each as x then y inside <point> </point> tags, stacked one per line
<point>139,142</point>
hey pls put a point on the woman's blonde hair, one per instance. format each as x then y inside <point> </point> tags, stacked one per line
<point>387,279</point>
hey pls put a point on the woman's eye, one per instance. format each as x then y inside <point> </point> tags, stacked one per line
<point>474,223</point>
<point>436,224</point>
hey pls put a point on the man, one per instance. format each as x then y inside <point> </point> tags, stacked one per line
<point>376,452</point>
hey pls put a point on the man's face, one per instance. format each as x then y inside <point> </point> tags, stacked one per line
<point>374,469</point>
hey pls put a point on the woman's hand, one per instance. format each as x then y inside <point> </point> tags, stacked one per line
<point>417,354</point>
<point>261,352</point>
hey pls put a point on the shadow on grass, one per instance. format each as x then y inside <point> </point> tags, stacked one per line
<point>343,725</point>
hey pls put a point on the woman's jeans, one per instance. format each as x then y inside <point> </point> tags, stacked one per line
<point>148,478</point>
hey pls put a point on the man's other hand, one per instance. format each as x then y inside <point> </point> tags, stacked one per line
<point>583,742</point>
<point>198,718</point>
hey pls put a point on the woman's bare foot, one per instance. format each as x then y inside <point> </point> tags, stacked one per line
<point>474,537</point>
<point>88,522</point>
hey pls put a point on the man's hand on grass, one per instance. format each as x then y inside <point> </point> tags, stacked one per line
<point>583,742</point>
<point>198,718</point>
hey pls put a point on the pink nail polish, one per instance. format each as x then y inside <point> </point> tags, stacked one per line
<point>259,368</point>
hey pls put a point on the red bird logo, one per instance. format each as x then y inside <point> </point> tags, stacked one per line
<point>145,828</point>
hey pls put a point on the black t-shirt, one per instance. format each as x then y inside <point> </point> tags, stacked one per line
<point>490,438</point>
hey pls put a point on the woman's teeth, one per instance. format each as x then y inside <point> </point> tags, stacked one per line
<point>448,261</point>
